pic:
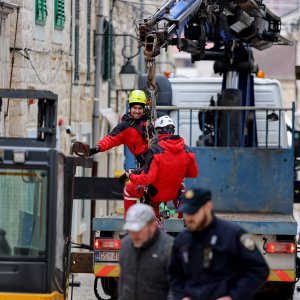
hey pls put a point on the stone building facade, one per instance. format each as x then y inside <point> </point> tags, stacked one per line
<point>55,51</point>
<point>45,59</point>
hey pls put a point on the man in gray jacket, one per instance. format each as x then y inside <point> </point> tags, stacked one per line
<point>144,257</point>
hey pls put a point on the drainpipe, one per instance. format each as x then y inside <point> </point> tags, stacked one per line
<point>97,89</point>
<point>98,75</point>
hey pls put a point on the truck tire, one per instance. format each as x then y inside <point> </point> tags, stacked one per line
<point>109,286</point>
<point>277,291</point>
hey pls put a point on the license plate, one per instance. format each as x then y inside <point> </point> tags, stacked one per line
<point>107,256</point>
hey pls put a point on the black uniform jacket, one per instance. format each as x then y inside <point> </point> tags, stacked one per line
<point>144,270</point>
<point>221,260</point>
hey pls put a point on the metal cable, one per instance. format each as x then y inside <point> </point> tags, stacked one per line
<point>12,62</point>
<point>36,73</point>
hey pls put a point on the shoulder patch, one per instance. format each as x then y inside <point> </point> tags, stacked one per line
<point>247,241</point>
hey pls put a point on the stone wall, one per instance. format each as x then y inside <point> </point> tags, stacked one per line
<point>45,60</point>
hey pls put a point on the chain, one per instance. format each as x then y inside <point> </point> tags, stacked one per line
<point>152,91</point>
<point>150,63</point>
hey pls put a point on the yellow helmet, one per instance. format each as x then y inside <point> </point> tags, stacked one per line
<point>137,97</point>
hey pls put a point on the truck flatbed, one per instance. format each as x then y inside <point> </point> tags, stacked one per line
<point>254,223</point>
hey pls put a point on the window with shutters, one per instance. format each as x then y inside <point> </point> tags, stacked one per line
<point>40,12</point>
<point>108,50</point>
<point>88,42</point>
<point>76,42</point>
<point>59,14</point>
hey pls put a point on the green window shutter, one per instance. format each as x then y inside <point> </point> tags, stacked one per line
<point>76,42</point>
<point>40,12</point>
<point>108,51</point>
<point>88,42</point>
<point>59,14</point>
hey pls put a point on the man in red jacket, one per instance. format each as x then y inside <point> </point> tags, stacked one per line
<point>131,131</point>
<point>167,163</point>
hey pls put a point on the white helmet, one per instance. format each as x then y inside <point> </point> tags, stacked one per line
<point>163,122</point>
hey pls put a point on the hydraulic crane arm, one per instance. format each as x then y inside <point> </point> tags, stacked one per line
<point>168,21</point>
<point>220,30</point>
<point>191,24</point>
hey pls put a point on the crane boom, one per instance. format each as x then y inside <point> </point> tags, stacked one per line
<point>191,24</point>
<point>220,30</point>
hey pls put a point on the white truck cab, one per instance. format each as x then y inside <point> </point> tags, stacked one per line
<point>197,92</point>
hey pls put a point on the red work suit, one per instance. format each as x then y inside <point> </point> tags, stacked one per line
<point>129,132</point>
<point>167,164</point>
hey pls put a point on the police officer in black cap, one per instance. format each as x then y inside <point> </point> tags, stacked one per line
<point>213,259</point>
